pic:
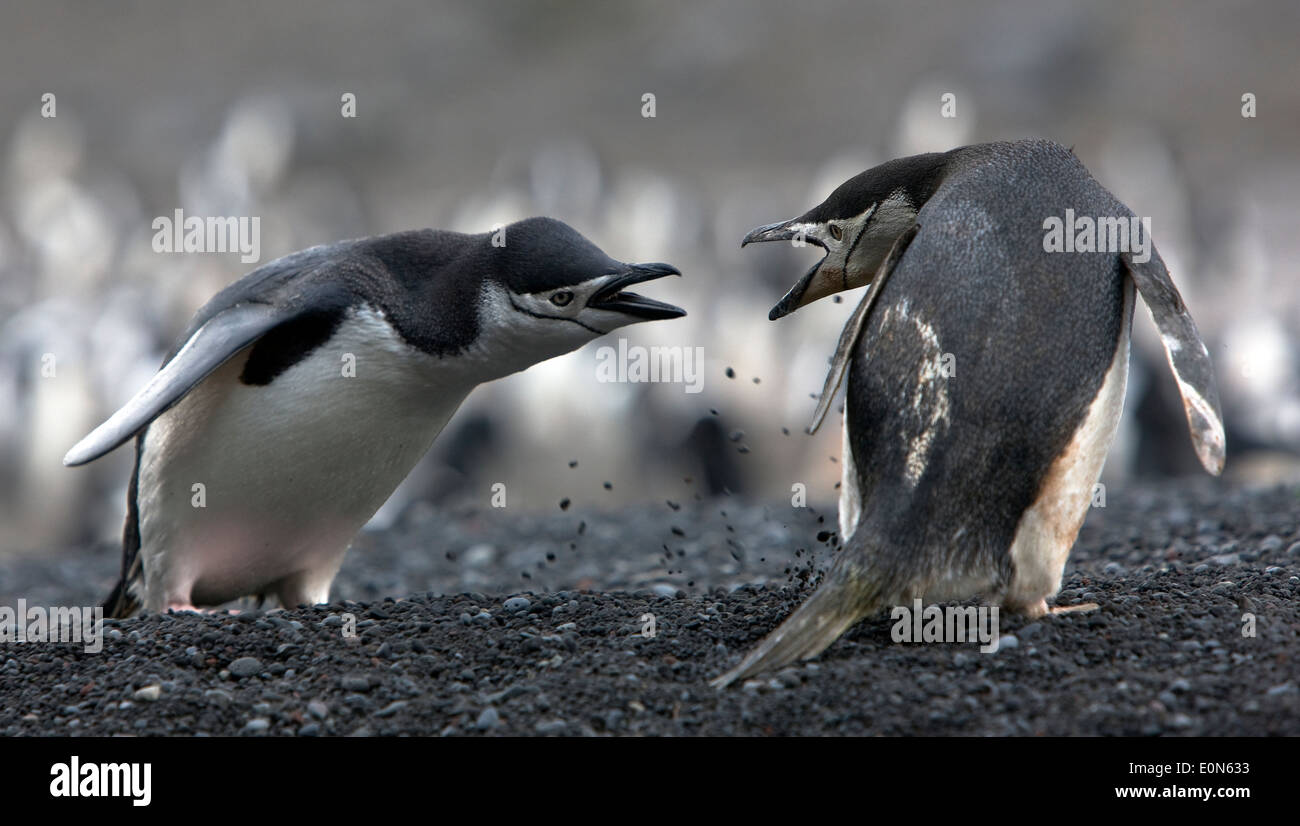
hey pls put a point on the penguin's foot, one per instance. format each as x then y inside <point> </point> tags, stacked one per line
<point>185,606</point>
<point>1082,608</point>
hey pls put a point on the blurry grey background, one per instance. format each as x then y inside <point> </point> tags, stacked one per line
<point>480,113</point>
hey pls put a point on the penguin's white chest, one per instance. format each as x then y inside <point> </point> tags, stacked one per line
<point>259,489</point>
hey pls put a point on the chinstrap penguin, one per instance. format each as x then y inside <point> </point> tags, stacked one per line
<point>986,378</point>
<point>302,394</point>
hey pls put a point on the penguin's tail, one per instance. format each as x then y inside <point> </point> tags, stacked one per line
<point>844,598</point>
<point>121,603</point>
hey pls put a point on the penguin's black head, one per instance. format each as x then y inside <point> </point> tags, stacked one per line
<point>555,279</point>
<point>856,226</point>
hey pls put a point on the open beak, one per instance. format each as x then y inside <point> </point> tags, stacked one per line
<point>815,284</point>
<point>612,296</point>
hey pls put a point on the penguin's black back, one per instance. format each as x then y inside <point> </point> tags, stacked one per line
<point>1031,335</point>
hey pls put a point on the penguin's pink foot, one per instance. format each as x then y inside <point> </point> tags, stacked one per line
<point>1082,608</point>
<point>185,606</point>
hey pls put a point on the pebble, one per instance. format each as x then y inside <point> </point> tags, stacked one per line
<point>257,725</point>
<point>516,604</point>
<point>245,667</point>
<point>1270,543</point>
<point>488,719</point>
<point>479,556</point>
<point>354,682</point>
<point>1008,642</point>
<point>149,693</point>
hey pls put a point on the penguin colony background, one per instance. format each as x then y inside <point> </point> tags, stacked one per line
<point>952,487</point>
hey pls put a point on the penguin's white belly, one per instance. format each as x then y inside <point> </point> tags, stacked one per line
<point>850,496</point>
<point>259,489</point>
<point>1047,530</point>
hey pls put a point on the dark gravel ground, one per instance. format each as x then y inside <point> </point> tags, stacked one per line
<point>556,648</point>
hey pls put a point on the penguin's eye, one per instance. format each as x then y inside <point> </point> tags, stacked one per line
<point>836,232</point>
<point>562,298</point>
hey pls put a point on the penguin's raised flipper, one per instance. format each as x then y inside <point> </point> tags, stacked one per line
<point>849,336</point>
<point>1188,357</point>
<point>223,335</point>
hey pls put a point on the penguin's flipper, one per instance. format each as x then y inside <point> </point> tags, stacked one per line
<point>849,336</point>
<point>223,335</point>
<point>1188,357</point>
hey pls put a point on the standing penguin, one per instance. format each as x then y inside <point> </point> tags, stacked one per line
<point>302,394</point>
<point>986,376</point>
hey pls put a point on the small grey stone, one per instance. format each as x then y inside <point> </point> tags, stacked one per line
<point>391,709</point>
<point>257,725</point>
<point>354,682</point>
<point>568,626</point>
<point>488,719</point>
<point>245,667</point>
<point>318,709</point>
<point>516,604</point>
<point>550,726</point>
<point>1008,642</point>
<point>478,556</point>
<point>218,696</point>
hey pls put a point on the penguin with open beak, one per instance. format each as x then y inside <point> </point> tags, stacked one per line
<point>986,366</point>
<point>301,395</point>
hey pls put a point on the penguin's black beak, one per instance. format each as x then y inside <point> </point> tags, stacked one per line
<point>612,297</point>
<point>799,294</point>
<point>782,231</point>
